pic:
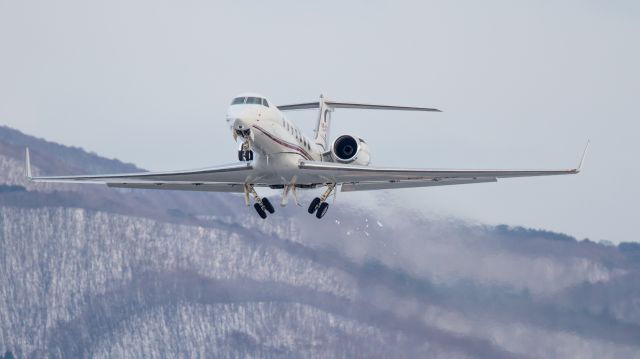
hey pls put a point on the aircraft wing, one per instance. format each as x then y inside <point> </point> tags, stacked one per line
<point>362,178</point>
<point>226,178</point>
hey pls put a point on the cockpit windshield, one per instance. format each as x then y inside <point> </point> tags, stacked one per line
<point>250,101</point>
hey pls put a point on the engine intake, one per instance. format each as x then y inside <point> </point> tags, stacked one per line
<point>349,149</point>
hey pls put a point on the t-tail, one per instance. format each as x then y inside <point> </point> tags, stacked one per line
<point>326,107</point>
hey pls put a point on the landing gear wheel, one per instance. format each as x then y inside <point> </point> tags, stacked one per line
<point>322,210</point>
<point>245,155</point>
<point>267,205</point>
<point>260,211</point>
<point>314,205</point>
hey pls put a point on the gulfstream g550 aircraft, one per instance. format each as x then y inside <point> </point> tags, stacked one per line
<point>288,160</point>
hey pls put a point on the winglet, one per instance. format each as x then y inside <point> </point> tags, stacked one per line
<point>28,165</point>
<point>584,154</point>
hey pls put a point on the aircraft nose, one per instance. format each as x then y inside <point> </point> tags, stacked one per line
<point>242,120</point>
<point>238,123</point>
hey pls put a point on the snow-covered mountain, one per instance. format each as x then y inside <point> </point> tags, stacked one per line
<point>88,271</point>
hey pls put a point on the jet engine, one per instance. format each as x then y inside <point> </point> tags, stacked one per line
<point>349,149</point>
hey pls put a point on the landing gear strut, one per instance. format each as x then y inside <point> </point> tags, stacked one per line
<point>262,205</point>
<point>319,205</point>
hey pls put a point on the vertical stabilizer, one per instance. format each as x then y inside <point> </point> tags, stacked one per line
<point>324,124</point>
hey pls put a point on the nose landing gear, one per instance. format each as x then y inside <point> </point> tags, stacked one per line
<point>245,153</point>
<point>319,205</point>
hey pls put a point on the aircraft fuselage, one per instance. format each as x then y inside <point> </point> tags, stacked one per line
<point>278,142</point>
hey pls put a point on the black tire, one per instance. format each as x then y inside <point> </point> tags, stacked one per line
<point>267,205</point>
<point>322,210</point>
<point>314,205</point>
<point>240,155</point>
<point>260,211</point>
<point>249,157</point>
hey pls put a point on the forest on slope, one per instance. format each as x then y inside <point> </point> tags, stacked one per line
<point>89,271</point>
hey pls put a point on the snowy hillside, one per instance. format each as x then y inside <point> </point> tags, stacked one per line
<point>88,271</point>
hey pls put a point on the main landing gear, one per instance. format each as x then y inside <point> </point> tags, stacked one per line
<point>262,205</point>
<point>319,205</point>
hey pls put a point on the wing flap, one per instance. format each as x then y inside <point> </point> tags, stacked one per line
<point>368,186</point>
<point>203,187</point>
<point>226,173</point>
<point>342,173</point>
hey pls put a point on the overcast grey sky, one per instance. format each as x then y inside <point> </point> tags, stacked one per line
<point>523,84</point>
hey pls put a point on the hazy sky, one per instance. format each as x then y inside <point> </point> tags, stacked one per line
<point>523,84</point>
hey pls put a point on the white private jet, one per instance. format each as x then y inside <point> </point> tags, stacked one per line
<point>288,160</point>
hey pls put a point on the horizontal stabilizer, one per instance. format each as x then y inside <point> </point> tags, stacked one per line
<point>352,105</point>
<point>365,106</point>
<point>300,106</point>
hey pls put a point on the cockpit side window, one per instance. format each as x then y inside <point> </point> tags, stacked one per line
<point>254,101</point>
<point>264,102</point>
<point>238,101</point>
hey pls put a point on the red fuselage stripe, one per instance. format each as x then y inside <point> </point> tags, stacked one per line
<point>286,144</point>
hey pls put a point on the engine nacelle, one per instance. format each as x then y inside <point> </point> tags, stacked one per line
<point>349,149</point>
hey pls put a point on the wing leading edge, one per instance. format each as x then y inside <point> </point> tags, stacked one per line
<point>362,178</point>
<point>225,178</point>
<point>233,177</point>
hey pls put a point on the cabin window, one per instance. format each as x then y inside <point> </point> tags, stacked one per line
<point>238,101</point>
<point>264,102</point>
